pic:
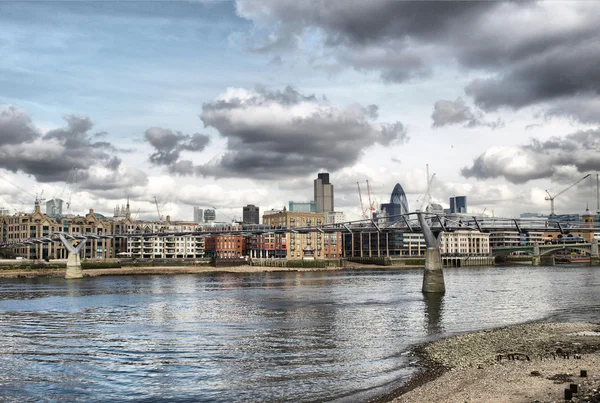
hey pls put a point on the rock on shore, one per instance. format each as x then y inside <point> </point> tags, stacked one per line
<point>513,364</point>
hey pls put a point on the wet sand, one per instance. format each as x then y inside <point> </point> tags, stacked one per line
<point>478,367</point>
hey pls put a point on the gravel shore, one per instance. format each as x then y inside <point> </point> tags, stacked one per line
<point>524,363</point>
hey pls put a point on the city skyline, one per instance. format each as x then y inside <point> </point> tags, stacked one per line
<point>199,104</point>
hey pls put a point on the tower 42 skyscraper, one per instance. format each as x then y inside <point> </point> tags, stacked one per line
<point>323,193</point>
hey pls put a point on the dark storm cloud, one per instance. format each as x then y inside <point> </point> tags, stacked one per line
<point>276,134</point>
<point>563,72</point>
<point>169,145</point>
<point>558,158</point>
<point>16,127</point>
<point>453,112</point>
<point>381,35</point>
<point>530,52</point>
<point>50,157</point>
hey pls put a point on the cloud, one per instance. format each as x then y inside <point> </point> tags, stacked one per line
<point>453,112</point>
<point>51,156</point>
<point>168,145</point>
<point>559,159</point>
<point>387,36</point>
<point>530,52</point>
<point>277,134</point>
<point>16,127</point>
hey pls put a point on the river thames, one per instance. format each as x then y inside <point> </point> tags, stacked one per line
<point>284,336</point>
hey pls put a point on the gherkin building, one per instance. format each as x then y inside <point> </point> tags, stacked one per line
<point>398,204</point>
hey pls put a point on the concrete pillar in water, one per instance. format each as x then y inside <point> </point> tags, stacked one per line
<point>536,259</point>
<point>433,276</point>
<point>595,257</point>
<point>74,266</point>
<point>547,260</point>
<point>73,260</point>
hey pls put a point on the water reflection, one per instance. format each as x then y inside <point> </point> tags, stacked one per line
<point>434,307</point>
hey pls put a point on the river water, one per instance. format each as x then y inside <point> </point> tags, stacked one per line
<point>310,336</point>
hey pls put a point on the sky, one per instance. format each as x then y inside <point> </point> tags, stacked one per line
<point>222,104</point>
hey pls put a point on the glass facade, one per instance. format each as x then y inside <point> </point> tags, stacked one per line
<point>303,207</point>
<point>398,204</point>
<point>458,204</point>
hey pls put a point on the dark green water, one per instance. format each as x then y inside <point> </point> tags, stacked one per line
<point>317,336</point>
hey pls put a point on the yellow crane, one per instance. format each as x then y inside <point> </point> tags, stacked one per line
<point>551,198</point>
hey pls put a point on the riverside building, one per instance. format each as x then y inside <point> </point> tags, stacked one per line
<point>323,246</point>
<point>397,244</point>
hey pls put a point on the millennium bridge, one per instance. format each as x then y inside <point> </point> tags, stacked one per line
<point>431,225</point>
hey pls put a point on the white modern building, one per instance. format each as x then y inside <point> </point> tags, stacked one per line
<point>169,245</point>
<point>335,217</point>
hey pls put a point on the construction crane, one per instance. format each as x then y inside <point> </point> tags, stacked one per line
<point>233,220</point>
<point>551,198</point>
<point>157,210</point>
<point>363,210</point>
<point>39,199</point>
<point>371,203</point>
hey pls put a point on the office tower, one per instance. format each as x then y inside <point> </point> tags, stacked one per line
<point>251,214</point>
<point>323,193</point>
<point>398,204</point>
<point>458,204</point>
<point>198,215</point>
<point>210,215</point>
<point>54,208</point>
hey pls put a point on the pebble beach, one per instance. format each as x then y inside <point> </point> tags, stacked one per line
<point>524,363</point>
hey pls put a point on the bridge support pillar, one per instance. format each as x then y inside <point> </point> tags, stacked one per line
<point>433,278</point>
<point>536,260</point>
<point>595,255</point>
<point>547,260</point>
<point>73,259</point>
<point>74,266</point>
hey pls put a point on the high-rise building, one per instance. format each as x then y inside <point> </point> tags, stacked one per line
<point>210,215</point>
<point>398,205</point>
<point>4,211</point>
<point>251,214</point>
<point>323,193</point>
<point>54,208</point>
<point>458,204</point>
<point>303,207</point>
<point>198,215</point>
